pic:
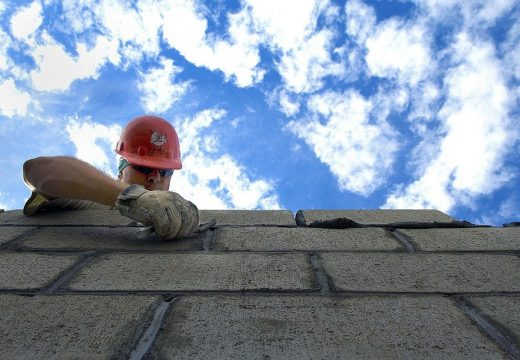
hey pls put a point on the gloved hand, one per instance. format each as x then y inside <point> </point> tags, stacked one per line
<point>169,213</point>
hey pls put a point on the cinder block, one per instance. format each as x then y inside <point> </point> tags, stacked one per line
<point>423,272</point>
<point>31,271</point>
<point>105,238</point>
<point>72,327</point>
<point>249,217</point>
<point>376,216</point>
<point>67,217</point>
<point>320,328</point>
<point>204,271</point>
<point>298,238</point>
<point>8,233</point>
<point>484,239</point>
<point>503,309</point>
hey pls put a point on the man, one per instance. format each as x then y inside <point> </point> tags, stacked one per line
<point>149,150</point>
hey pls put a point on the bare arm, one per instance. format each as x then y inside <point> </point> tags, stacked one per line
<point>66,177</point>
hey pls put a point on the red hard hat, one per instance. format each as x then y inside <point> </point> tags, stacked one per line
<point>150,141</point>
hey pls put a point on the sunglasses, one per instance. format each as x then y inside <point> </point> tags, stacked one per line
<point>148,170</point>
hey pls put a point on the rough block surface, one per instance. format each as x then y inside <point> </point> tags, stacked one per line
<point>376,216</point>
<point>320,328</point>
<point>29,271</point>
<point>105,238</point>
<point>76,217</point>
<point>308,239</point>
<point>248,217</point>
<point>483,239</point>
<point>8,233</point>
<point>423,272</point>
<point>71,327</point>
<point>258,286</point>
<point>202,271</point>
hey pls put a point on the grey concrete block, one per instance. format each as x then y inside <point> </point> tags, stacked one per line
<point>30,271</point>
<point>503,309</point>
<point>423,272</point>
<point>249,217</point>
<point>272,238</point>
<point>70,217</point>
<point>489,239</point>
<point>105,238</point>
<point>71,327</point>
<point>320,328</point>
<point>8,233</point>
<point>376,216</point>
<point>204,271</point>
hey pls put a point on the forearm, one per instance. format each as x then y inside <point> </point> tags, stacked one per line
<point>65,177</point>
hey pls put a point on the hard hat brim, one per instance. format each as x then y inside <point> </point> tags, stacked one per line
<point>152,162</point>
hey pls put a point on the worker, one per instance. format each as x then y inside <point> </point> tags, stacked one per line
<point>149,153</point>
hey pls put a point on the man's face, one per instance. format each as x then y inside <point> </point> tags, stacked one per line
<point>151,181</point>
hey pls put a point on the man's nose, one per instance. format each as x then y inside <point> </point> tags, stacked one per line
<point>154,176</point>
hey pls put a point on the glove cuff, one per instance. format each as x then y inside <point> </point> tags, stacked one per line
<point>132,192</point>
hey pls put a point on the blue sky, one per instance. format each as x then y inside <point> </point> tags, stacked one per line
<point>294,104</point>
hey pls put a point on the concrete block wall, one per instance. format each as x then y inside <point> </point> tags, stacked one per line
<point>259,285</point>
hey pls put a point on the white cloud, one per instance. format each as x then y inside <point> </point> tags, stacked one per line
<point>474,13</point>
<point>424,99</point>
<point>216,182</point>
<point>5,42</point>
<point>511,48</point>
<point>288,24</point>
<point>26,21</point>
<point>361,20</point>
<point>477,134</point>
<point>136,29</point>
<point>289,105</point>
<point>400,51</point>
<point>358,147</point>
<point>304,68</point>
<point>158,87</point>
<point>56,69</point>
<point>12,100</point>
<point>185,29</point>
<point>94,142</point>
<point>291,28</point>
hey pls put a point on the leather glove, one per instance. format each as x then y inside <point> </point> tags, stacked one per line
<point>170,214</point>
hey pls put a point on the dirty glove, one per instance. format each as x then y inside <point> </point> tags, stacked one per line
<point>169,213</point>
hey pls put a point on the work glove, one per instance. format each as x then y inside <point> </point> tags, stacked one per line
<point>170,215</point>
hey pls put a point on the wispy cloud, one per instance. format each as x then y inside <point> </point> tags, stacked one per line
<point>57,69</point>
<point>507,209</point>
<point>213,180</point>
<point>26,20</point>
<point>477,133</point>
<point>12,100</point>
<point>237,56</point>
<point>400,51</point>
<point>346,135</point>
<point>304,50</point>
<point>94,142</point>
<point>158,87</point>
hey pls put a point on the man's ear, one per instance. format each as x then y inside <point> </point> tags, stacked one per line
<point>120,176</point>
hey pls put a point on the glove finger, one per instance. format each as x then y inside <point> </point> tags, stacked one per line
<point>174,223</point>
<point>190,219</point>
<point>141,215</point>
<point>160,222</point>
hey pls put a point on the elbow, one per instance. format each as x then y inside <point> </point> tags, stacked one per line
<point>31,169</point>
